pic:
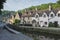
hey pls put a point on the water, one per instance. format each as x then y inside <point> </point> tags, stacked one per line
<point>6,35</point>
<point>43,37</point>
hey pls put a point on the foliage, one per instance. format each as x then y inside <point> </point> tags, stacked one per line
<point>58,1</point>
<point>1,4</point>
<point>20,13</point>
<point>51,24</point>
<point>55,24</point>
<point>31,8</point>
<point>44,6</point>
<point>16,22</point>
<point>6,13</point>
<point>56,6</point>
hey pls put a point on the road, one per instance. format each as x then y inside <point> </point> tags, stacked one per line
<point>6,35</point>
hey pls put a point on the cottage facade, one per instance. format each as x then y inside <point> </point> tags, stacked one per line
<point>42,18</point>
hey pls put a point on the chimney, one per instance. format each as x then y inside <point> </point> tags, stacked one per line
<point>50,8</point>
<point>25,10</point>
<point>36,9</point>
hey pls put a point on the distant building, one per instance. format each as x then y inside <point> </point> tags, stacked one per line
<point>17,16</point>
<point>41,17</point>
<point>38,17</point>
<point>12,17</point>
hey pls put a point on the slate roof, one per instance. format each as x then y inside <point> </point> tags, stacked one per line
<point>40,12</point>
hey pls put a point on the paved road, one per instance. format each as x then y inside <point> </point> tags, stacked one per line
<point>6,35</point>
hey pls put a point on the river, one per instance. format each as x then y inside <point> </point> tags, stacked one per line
<point>43,37</point>
<point>6,35</point>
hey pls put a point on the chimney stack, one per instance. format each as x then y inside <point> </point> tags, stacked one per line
<point>25,10</point>
<point>36,9</point>
<point>50,8</point>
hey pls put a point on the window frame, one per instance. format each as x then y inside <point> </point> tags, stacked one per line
<point>45,23</point>
<point>37,16</point>
<point>44,16</point>
<point>58,15</point>
<point>51,15</point>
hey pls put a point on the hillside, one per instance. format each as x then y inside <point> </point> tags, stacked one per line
<point>43,6</point>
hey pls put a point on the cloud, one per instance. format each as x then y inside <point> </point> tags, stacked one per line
<point>21,4</point>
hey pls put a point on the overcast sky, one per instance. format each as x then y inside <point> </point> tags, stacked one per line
<point>15,5</point>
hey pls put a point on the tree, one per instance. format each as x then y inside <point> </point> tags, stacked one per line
<point>51,24</point>
<point>1,4</point>
<point>16,22</point>
<point>55,24</point>
<point>58,1</point>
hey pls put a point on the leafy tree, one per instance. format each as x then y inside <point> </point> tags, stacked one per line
<point>51,24</point>
<point>58,1</point>
<point>16,22</point>
<point>1,4</point>
<point>55,24</point>
<point>44,6</point>
<point>20,13</point>
<point>6,12</point>
<point>31,8</point>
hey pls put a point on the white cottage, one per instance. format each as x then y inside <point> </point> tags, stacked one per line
<point>44,17</point>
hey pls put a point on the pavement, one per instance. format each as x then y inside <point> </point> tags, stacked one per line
<point>6,35</point>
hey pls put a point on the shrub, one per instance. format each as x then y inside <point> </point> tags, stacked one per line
<point>55,24</point>
<point>16,22</point>
<point>51,24</point>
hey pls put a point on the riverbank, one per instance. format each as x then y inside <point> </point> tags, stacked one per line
<point>6,35</point>
<point>47,30</point>
<point>51,30</point>
<point>38,32</point>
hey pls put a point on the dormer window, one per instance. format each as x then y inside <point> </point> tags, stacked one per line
<point>44,15</point>
<point>26,12</point>
<point>36,16</point>
<point>31,11</point>
<point>45,23</point>
<point>58,15</point>
<point>51,15</point>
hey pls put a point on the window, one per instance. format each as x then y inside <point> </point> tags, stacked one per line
<point>56,24</point>
<point>58,15</point>
<point>31,11</point>
<point>46,23</point>
<point>44,15</point>
<point>34,21</point>
<point>36,16</point>
<point>26,12</point>
<point>28,22</point>
<point>41,21</point>
<point>51,15</point>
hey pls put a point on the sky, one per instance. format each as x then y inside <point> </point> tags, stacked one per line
<point>14,5</point>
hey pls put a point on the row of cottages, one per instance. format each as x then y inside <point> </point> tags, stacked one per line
<point>10,18</point>
<point>41,18</point>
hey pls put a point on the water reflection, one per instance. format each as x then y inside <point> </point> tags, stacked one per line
<point>43,36</point>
